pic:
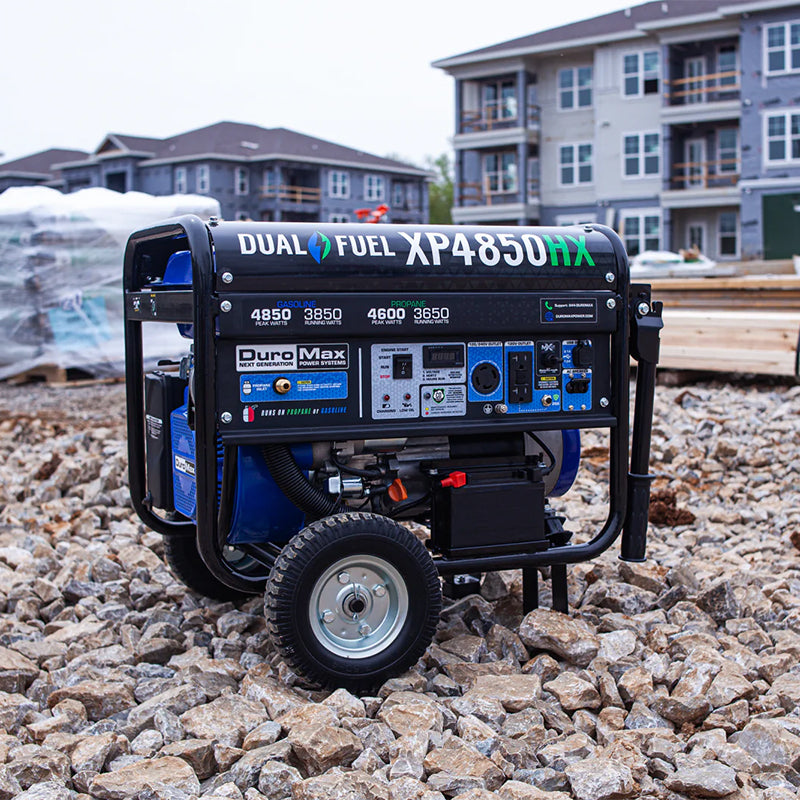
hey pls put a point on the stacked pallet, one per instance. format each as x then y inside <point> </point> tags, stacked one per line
<point>748,325</point>
<point>61,276</point>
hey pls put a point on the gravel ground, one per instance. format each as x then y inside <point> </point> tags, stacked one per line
<point>675,678</point>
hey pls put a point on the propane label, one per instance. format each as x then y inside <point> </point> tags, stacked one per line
<point>302,386</point>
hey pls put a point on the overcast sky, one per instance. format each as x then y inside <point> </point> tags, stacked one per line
<point>357,74</point>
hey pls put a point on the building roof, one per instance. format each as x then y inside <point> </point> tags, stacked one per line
<point>120,141</point>
<point>617,24</point>
<point>242,142</point>
<point>40,163</point>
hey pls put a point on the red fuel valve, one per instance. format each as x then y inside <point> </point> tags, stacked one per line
<point>456,480</point>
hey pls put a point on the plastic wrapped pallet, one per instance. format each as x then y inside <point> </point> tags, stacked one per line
<point>61,276</point>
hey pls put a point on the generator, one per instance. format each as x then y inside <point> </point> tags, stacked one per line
<point>366,416</point>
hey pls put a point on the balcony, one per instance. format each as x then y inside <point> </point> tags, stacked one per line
<point>488,195</point>
<point>292,194</point>
<point>702,183</point>
<point>705,174</point>
<point>497,116</point>
<point>715,96</point>
<point>497,125</point>
<point>715,87</point>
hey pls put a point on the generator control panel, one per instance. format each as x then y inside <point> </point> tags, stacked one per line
<point>380,359</point>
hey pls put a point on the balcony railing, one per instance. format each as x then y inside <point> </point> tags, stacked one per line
<point>496,116</point>
<point>292,194</point>
<point>703,88</point>
<point>483,194</point>
<point>705,174</point>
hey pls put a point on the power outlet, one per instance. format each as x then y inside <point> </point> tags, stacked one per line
<point>485,377</point>
<point>520,377</point>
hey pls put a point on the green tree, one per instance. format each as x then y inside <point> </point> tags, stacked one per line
<point>440,191</point>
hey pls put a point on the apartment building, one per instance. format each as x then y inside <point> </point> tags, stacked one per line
<point>256,173</point>
<point>675,122</point>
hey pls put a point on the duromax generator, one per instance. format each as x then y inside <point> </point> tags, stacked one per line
<point>343,379</point>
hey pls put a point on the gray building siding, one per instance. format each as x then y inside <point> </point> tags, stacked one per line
<point>763,95</point>
<point>711,104</point>
<point>6,183</point>
<point>292,187</point>
<point>295,190</point>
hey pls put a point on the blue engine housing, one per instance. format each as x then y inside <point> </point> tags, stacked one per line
<point>261,511</point>
<point>570,461</point>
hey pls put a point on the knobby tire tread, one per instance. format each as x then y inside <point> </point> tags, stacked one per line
<point>280,604</point>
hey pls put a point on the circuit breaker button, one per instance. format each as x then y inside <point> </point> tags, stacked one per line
<point>582,355</point>
<point>402,366</point>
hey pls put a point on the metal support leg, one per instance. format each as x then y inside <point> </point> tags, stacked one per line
<point>558,579</point>
<point>530,589</point>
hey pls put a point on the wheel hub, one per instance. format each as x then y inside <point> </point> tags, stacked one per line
<point>358,606</point>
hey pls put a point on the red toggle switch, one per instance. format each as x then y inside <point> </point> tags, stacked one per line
<point>456,480</point>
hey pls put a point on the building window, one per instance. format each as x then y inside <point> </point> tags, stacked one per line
<point>500,173</point>
<point>575,164</point>
<point>180,180</point>
<point>696,236</point>
<point>373,187</point>
<point>642,154</point>
<point>574,88</point>
<point>534,178</point>
<point>640,73</point>
<point>242,181</point>
<point>728,150</point>
<point>339,184</point>
<point>783,137</point>
<point>398,194</point>
<point>782,47</point>
<point>499,100</point>
<point>270,182</point>
<point>728,234</point>
<point>728,66</point>
<point>203,183</point>
<point>694,72</point>
<point>641,230</point>
<point>339,218</point>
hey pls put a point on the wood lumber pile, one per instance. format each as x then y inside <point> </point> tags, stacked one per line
<point>748,324</point>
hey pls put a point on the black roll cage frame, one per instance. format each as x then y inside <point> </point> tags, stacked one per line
<point>636,336</point>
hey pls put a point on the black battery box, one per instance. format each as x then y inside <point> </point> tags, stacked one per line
<point>163,393</point>
<point>482,509</point>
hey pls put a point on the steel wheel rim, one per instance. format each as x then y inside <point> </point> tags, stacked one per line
<point>358,606</point>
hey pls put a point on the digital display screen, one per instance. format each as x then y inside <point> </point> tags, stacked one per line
<point>435,356</point>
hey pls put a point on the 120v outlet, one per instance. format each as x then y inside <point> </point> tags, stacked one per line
<point>520,377</point>
<point>485,377</point>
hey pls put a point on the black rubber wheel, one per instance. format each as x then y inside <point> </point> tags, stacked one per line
<point>352,600</point>
<point>185,562</point>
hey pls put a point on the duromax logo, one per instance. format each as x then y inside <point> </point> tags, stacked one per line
<point>319,245</point>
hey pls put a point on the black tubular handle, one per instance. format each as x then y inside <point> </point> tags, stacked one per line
<point>134,387</point>
<point>645,332</point>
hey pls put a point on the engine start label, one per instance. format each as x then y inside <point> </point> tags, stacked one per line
<point>282,357</point>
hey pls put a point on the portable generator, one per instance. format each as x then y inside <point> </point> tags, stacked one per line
<point>345,380</point>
